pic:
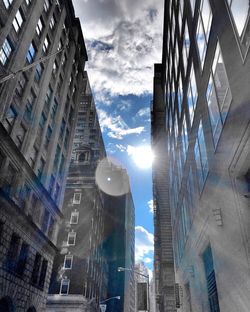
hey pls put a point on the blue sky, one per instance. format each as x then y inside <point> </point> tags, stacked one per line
<point>123,41</point>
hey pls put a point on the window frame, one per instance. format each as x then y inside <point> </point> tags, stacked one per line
<point>70,258</point>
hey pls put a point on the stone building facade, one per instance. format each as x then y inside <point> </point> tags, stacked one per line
<point>37,119</point>
<point>79,280</point>
<point>204,81</point>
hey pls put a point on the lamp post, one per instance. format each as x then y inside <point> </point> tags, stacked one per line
<point>121,269</point>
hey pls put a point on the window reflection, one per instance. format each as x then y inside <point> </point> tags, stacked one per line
<point>184,138</point>
<point>240,10</point>
<point>180,96</point>
<point>192,95</point>
<point>186,47</point>
<point>203,29</point>
<point>218,94</point>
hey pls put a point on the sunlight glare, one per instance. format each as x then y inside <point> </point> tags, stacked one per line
<point>142,156</point>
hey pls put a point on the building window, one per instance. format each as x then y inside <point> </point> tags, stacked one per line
<point>68,260</point>
<point>52,22</point>
<point>57,156</point>
<point>43,273</point>
<point>12,255</point>
<point>31,53</point>
<point>203,29</point>
<point>38,72</point>
<point>46,5</point>
<point>5,51</point>
<point>10,118</point>
<point>200,153</point>
<point>39,27</point>
<point>46,44</point>
<point>240,13</point>
<point>62,128</point>
<point>77,198</point>
<point>207,258</point>
<point>33,157</point>
<point>7,3</point>
<point>48,96</point>
<point>192,3</point>
<point>21,84</point>
<point>48,137</point>
<point>186,47</point>
<point>28,2</point>
<point>36,269</point>
<point>18,21</point>
<point>184,137</point>
<point>74,217</point>
<point>64,289</point>
<point>20,135</point>
<point>22,259</point>
<point>51,184</point>
<point>71,238</point>
<point>57,193</point>
<point>192,94</point>
<point>180,96</point>
<point>40,168</point>
<point>218,95</point>
<point>55,67</point>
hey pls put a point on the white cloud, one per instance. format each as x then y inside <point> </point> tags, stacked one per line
<point>151,205</point>
<point>148,260</point>
<point>124,40</point>
<point>144,244</point>
<point>115,126</point>
<point>143,112</point>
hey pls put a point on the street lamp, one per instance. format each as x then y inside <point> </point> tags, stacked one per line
<point>103,306</point>
<point>121,269</point>
<point>115,297</point>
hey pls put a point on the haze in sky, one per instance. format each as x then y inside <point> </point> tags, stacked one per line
<point>124,39</point>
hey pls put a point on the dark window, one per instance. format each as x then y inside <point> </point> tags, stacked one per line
<point>57,156</point>
<point>43,273</point>
<point>40,168</point>
<point>33,157</point>
<point>211,281</point>
<point>46,5</point>
<point>45,221</point>
<point>12,255</point>
<point>36,269</point>
<point>48,137</point>
<point>10,118</point>
<point>38,72</point>
<point>54,109</point>
<point>57,192</point>
<point>9,180</point>
<point>22,259</point>
<point>51,227</point>
<point>20,135</point>
<point>51,184</point>
<point>22,82</point>
<point>66,140</point>
<point>62,128</point>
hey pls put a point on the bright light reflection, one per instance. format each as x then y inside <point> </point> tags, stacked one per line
<point>142,156</point>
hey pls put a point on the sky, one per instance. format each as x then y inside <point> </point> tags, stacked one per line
<point>124,40</point>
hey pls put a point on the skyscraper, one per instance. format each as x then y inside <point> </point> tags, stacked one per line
<point>204,95</point>
<point>37,119</point>
<point>80,269</point>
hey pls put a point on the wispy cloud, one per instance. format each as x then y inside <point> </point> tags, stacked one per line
<point>144,244</point>
<point>115,126</point>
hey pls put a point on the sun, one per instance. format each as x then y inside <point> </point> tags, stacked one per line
<point>142,156</point>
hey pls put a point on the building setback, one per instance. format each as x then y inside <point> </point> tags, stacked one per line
<point>79,281</point>
<point>204,78</point>
<point>37,119</point>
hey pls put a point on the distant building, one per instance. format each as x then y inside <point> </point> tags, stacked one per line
<point>140,268</point>
<point>79,278</point>
<point>203,95</point>
<point>120,239</point>
<point>37,119</point>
